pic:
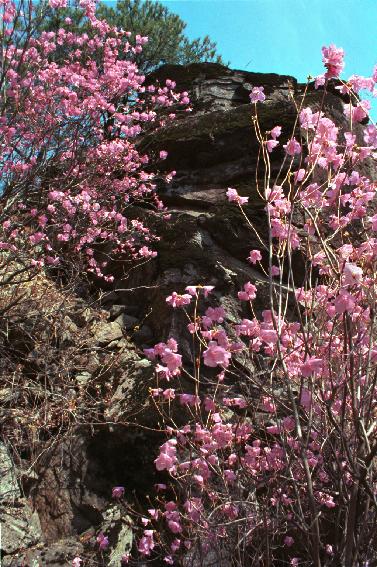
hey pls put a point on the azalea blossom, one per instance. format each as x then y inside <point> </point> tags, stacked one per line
<point>311,366</point>
<point>146,543</point>
<point>233,196</point>
<point>344,302</point>
<point>352,274</point>
<point>248,293</point>
<point>102,541</point>
<point>288,541</point>
<point>257,95</point>
<point>118,492</point>
<point>216,355</point>
<point>57,3</point>
<point>292,147</point>
<point>332,58</point>
<point>176,300</point>
<point>275,132</point>
<point>254,256</point>
<point>271,144</point>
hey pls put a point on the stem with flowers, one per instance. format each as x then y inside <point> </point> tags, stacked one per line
<point>270,453</point>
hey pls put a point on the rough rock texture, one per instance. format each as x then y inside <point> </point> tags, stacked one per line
<point>20,526</point>
<point>9,489</point>
<point>206,241</point>
<point>211,149</point>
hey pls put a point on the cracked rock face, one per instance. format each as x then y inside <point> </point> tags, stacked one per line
<point>212,148</point>
<point>20,526</point>
<point>207,239</point>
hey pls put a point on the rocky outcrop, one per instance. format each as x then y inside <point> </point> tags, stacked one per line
<point>212,148</point>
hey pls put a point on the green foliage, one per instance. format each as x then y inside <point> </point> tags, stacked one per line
<point>165,30</point>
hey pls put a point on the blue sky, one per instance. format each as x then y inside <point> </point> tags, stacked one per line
<point>285,36</point>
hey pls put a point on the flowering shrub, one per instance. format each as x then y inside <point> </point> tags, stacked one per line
<point>69,160</point>
<point>270,455</point>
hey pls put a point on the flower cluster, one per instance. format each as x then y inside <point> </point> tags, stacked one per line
<point>69,163</point>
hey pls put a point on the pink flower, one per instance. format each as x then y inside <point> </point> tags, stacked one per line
<point>176,300</point>
<point>216,355</point>
<point>207,289</point>
<point>257,94</point>
<point>169,394</point>
<point>192,327</point>
<point>215,314</point>
<point>164,373</point>
<point>239,402</point>
<point>118,492</point>
<point>275,132</point>
<point>271,144</point>
<point>370,135</point>
<point>175,545</point>
<point>288,541</point>
<point>167,458</point>
<point>230,475</point>
<point>172,360</point>
<point>189,399</point>
<point>145,252</point>
<point>326,499</point>
<point>306,398</point>
<point>292,147</point>
<point>36,237</point>
<point>352,274</point>
<point>288,423</point>
<point>275,271</point>
<point>57,3</point>
<point>268,404</point>
<point>146,543</point>
<point>344,302</point>
<point>329,549</point>
<point>311,366</point>
<point>102,541</point>
<point>209,404</point>
<point>273,430</point>
<point>164,462</point>
<point>233,196</point>
<point>175,527</point>
<point>249,292</point>
<point>254,256</point>
<point>191,289</point>
<point>332,58</point>
<point>76,562</point>
<point>373,220</point>
<point>360,111</point>
<point>269,336</point>
<point>299,175</point>
<point>153,513</point>
<point>163,154</point>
